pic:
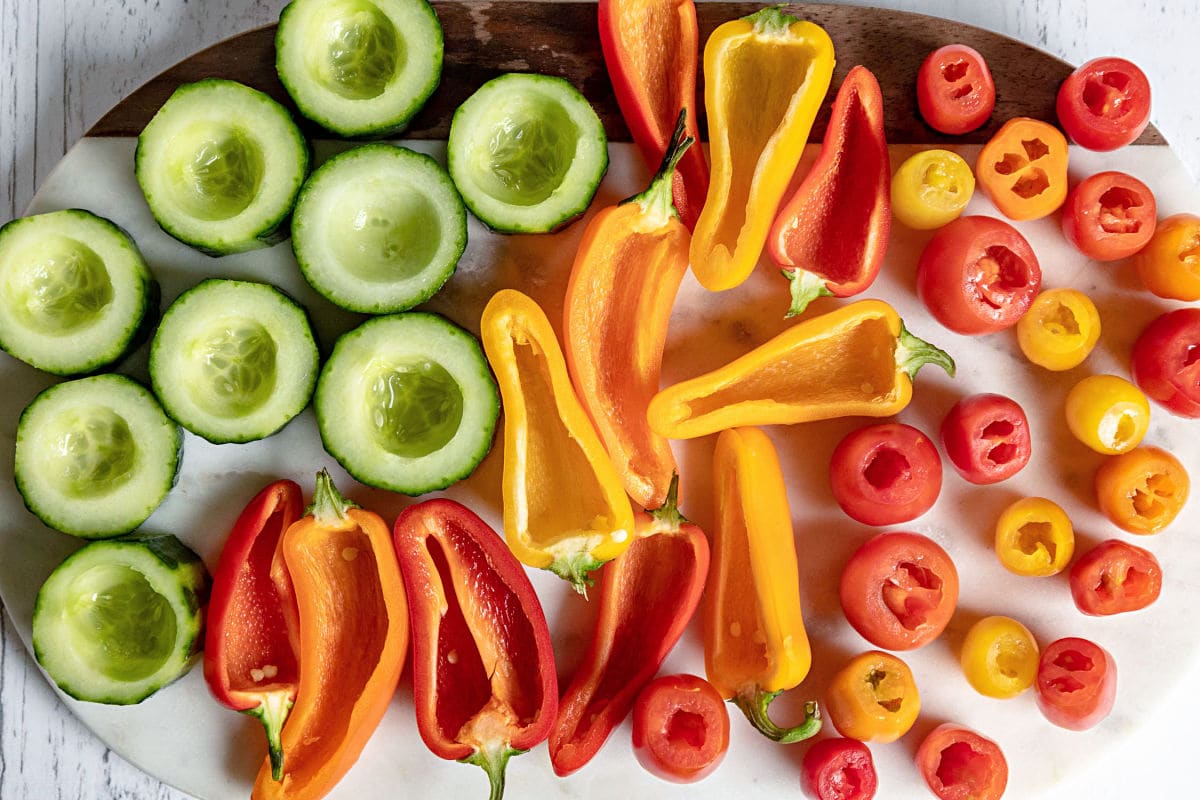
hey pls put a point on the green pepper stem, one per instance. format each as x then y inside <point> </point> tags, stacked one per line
<point>754,703</point>
<point>913,353</point>
<point>667,517</point>
<point>805,287</point>
<point>328,506</point>
<point>656,201</point>
<point>272,712</point>
<point>771,21</point>
<point>575,569</point>
<point>493,760</point>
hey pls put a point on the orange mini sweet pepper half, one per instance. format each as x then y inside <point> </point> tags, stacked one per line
<point>755,646</point>
<point>564,507</point>
<point>831,235</point>
<point>352,624</point>
<point>627,271</point>
<point>650,52</point>
<point>765,77</point>
<point>1023,169</point>
<point>484,682</point>
<point>858,360</point>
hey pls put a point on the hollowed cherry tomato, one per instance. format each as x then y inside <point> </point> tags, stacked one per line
<point>680,728</point>
<point>886,473</point>
<point>1104,104</point>
<point>1169,265</point>
<point>1107,413</point>
<point>839,769</point>
<point>1166,361</point>
<point>873,698</point>
<point>1034,537</point>
<point>1114,577</point>
<point>960,764</point>
<point>955,91</point>
<point>1142,491</point>
<point>931,188</point>
<point>986,437</point>
<point>999,657</point>
<point>978,275</point>
<point>1059,330</point>
<point>1023,169</point>
<point>1076,683</point>
<point>899,590</point>
<point>1109,216</point>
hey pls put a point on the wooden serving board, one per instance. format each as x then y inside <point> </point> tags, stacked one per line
<point>184,738</point>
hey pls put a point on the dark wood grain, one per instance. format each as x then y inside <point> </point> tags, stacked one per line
<point>560,39</point>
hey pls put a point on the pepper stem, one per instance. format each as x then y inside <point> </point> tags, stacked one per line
<point>575,569</point>
<point>771,21</point>
<point>754,703</point>
<point>328,506</point>
<point>667,517</point>
<point>272,712</point>
<point>913,353</point>
<point>656,201</point>
<point>493,760</point>
<point>805,287</point>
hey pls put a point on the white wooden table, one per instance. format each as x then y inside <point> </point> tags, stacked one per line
<point>63,63</point>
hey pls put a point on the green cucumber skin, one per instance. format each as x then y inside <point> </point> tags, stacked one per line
<point>193,582</point>
<point>366,133</point>
<point>448,478</point>
<point>274,231</point>
<point>51,519</point>
<point>149,294</point>
<point>379,308</point>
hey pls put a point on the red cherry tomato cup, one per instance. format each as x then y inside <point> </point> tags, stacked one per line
<point>1076,683</point>
<point>1115,577</point>
<point>955,90</point>
<point>1109,216</point>
<point>839,769</point>
<point>1104,104</point>
<point>885,473</point>
<point>978,275</point>
<point>959,764</point>
<point>899,590</point>
<point>1166,361</point>
<point>986,437</point>
<point>680,728</point>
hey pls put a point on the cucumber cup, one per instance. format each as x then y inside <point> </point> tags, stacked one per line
<point>359,68</point>
<point>527,153</point>
<point>74,291</point>
<point>220,165</point>
<point>379,229</point>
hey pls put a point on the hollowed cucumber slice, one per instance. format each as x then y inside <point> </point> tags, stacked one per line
<point>95,456</point>
<point>379,229</point>
<point>527,152</point>
<point>120,619</point>
<point>74,290</point>
<point>220,165</point>
<point>359,67</point>
<point>406,403</point>
<point>233,361</point>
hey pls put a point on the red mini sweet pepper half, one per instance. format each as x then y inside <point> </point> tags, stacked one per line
<point>651,50</point>
<point>646,597</point>
<point>830,236</point>
<point>249,657</point>
<point>484,679</point>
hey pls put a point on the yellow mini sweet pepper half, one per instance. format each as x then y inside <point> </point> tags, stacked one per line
<point>754,641</point>
<point>765,77</point>
<point>564,506</point>
<point>858,360</point>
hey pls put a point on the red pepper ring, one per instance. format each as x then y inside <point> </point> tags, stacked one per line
<point>249,655</point>
<point>830,236</point>
<point>484,680</point>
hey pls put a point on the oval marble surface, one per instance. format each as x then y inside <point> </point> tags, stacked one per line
<point>61,69</point>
